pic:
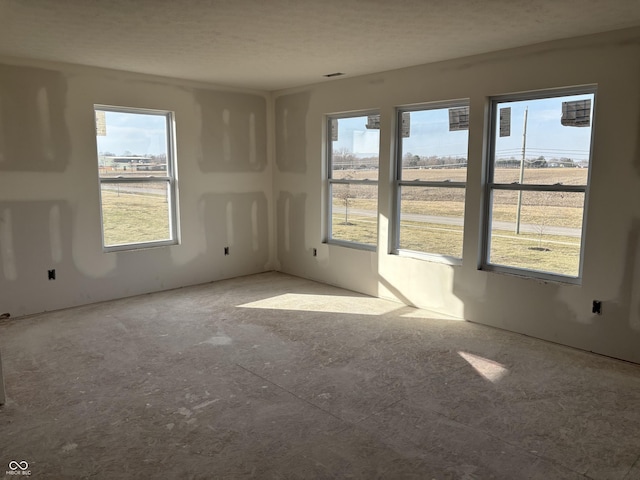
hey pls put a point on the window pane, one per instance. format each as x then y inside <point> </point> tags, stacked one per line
<point>549,235</point>
<point>135,212</point>
<point>354,213</point>
<point>355,145</point>
<point>555,148</point>
<point>434,145</point>
<point>134,144</point>
<point>431,220</point>
<point>131,144</point>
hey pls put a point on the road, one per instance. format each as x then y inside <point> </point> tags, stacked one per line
<point>124,188</point>
<point>412,217</point>
<point>456,221</point>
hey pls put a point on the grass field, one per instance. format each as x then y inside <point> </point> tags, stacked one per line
<point>144,217</point>
<point>537,247</point>
<point>134,218</point>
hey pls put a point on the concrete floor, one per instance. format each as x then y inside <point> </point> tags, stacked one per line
<point>274,377</point>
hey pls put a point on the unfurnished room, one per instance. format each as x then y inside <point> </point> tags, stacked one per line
<point>320,239</point>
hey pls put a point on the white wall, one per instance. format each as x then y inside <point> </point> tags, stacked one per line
<point>549,310</point>
<point>49,203</point>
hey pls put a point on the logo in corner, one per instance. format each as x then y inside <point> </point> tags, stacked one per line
<point>18,468</point>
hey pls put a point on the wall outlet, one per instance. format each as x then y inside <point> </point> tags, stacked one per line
<point>315,252</point>
<point>51,274</point>
<point>226,250</point>
<point>597,307</point>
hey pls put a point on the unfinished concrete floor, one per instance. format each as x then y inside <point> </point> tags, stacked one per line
<point>274,377</point>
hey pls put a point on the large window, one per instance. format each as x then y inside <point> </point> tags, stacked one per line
<point>137,177</point>
<point>537,183</point>
<point>353,150</point>
<point>431,176</point>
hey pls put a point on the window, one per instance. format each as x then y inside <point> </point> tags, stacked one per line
<point>353,150</point>
<point>431,176</point>
<point>537,183</point>
<point>137,177</point>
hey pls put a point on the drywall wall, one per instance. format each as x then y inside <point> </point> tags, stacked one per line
<point>49,198</point>
<point>550,310</point>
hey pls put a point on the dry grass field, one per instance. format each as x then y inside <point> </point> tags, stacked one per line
<point>431,218</point>
<point>538,246</point>
<point>134,217</point>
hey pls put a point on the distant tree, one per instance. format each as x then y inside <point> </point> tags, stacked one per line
<point>345,195</point>
<point>343,159</point>
<point>539,162</point>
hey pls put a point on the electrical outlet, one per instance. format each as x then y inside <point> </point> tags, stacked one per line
<point>315,252</point>
<point>51,274</point>
<point>597,307</point>
<point>226,250</point>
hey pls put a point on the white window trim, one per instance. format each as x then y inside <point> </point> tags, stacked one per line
<point>490,186</point>
<point>170,179</point>
<point>331,181</point>
<point>399,183</point>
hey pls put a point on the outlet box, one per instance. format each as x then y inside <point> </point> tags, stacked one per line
<point>597,307</point>
<point>51,274</point>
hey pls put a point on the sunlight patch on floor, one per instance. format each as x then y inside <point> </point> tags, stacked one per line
<point>488,369</point>
<point>305,302</point>
<point>430,315</point>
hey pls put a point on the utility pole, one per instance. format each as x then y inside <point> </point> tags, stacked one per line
<point>524,150</point>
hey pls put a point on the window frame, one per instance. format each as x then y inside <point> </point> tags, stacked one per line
<point>490,186</point>
<point>169,179</point>
<point>399,183</point>
<point>333,181</point>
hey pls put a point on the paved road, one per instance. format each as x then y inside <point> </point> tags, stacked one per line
<point>456,221</point>
<point>124,188</point>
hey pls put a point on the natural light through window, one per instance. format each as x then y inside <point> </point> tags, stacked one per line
<point>487,369</point>
<point>306,302</point>
<point>352,177</point>
<point>431,179</point>
<point>137,177</point>
<point>537,187</point>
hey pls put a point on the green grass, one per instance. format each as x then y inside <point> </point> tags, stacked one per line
<point>134,218</point>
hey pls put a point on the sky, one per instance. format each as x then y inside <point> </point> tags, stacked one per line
<point>430,135</point>
<point>145,134</point>
<point>546,136</point>
<point>136,133</point>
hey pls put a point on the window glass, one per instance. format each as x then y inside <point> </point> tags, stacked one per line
<point>354,145</point>
<point>432,220</point>
<point>137,178</point>
<point>538,178</point>
<point>431,178</point>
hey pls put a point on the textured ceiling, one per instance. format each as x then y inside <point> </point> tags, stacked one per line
<point>275,44</point>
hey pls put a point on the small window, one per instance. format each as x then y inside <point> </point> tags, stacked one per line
<point>537,183</point>
<point>137,177</point>
<point>353,151</point>
<point>431,168</point>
